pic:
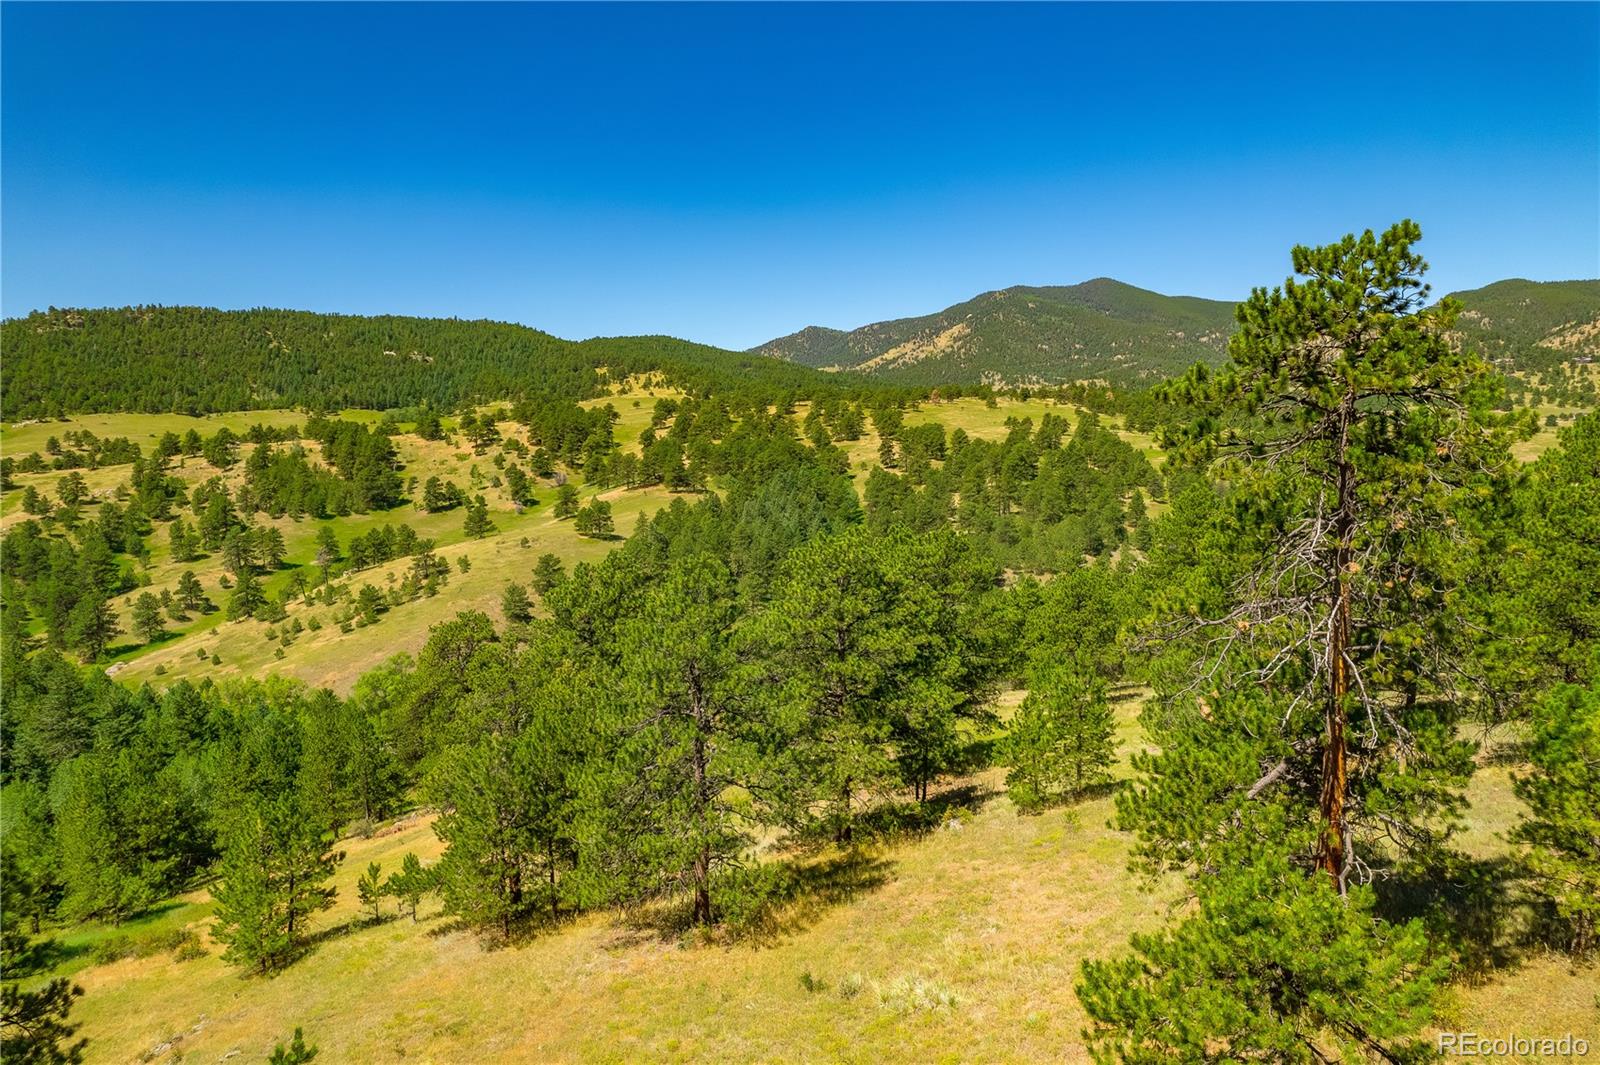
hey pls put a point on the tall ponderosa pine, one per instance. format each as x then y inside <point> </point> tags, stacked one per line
<point>1306,707</point>
<point>1349,434</point>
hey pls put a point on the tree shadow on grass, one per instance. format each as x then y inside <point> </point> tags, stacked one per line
<point>898,818</point>
<point>761,903</point>
<point>1070,802</point>
<point>1477,909</point>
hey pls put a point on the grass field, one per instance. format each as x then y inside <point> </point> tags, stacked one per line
<point>959,945</point>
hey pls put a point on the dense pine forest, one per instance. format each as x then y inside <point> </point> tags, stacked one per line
<point>390,685</point>
<point>195,360</point>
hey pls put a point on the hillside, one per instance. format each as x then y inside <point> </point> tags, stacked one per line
<point>1099,329</point>
<point>196,360</point>
<point>1535,324</point>
<point>1127,335</point>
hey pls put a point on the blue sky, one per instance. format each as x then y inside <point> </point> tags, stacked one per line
<point>732,173</point>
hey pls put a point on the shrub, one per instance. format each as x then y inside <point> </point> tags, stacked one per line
<point>113,949</point>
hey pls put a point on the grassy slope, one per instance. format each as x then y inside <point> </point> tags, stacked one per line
<point>964,945</point>
<point>334,659</point>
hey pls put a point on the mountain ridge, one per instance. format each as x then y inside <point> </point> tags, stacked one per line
<point>1104,329</point>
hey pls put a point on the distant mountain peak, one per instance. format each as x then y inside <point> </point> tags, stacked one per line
<point>1028,334</point>
<point>1105,329</point>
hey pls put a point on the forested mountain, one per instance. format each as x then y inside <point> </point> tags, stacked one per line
<point>1104,329</point>
<point>1099,329</point>
<point>1534,324</point>
<point>200,360</point>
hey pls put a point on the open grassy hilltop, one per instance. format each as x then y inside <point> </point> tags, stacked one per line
<point>960,943</point>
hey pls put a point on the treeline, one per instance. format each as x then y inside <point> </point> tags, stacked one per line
<point>197,360</point>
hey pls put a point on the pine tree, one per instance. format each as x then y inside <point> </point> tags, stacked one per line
<point>185,544</point>
<point>1562,826</point>
<point>270,548</point>
<point>1273,965</point>
<point>1350,439</point>
<point>510,782</point>
<point>477,523</point>
<point>92,626</point>
<point>148,622</point>
<point>1352,434</point>
<point>191,595</point>
<point>295,1053</point>
<point>369,601</point>
<point>410,884</point>
<point>566,501</point>
<point>239,552</point>
<point>595,520</point>
<point>34,1025</point>
<point>370,889</point>
<point>247,598</point>
<point>547,573</point>
<point>276,863</point>
<point>1061,742</point>
<point>515,604</point>
<point>666,804</point>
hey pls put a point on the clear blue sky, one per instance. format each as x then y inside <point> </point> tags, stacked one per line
<point>730,173</point>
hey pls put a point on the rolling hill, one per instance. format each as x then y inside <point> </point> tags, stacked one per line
<point>1105,329</point>
<point>197,360</point>
<point>1534,324</point>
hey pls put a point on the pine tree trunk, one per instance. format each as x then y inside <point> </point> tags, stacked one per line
<point>700,872</point>
<point>550,852</point>
<point>1335,774</point>
<point>845,833</point>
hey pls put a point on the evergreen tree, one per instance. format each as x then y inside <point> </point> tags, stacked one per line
<point>410,884</point>
<point>1273,965</point>
<point>295,1053</point>
<point>327,550</point>
<point>276,864</point>
<point>191,596</point>
<point>92,626</point>
<point>185,544</point>
<point>547,573</point>
<point>666,806</point>
<point>515,604</point>
<point>509,782</point>
<point>270,548</point>
<point>477,524</point>
<point>370,890</point>
<point>1562,826</point>
<point>1327,599</point>
<point>34,1025</point>
<point>566,501</point>
<point>247,598</point>
<point>369,601</point>
<point>1062,740</point>
<point>595,520</point>
<point>148,622</point>
<point>239,552</point>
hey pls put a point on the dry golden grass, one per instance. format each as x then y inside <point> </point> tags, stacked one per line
<point>965,949</point>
